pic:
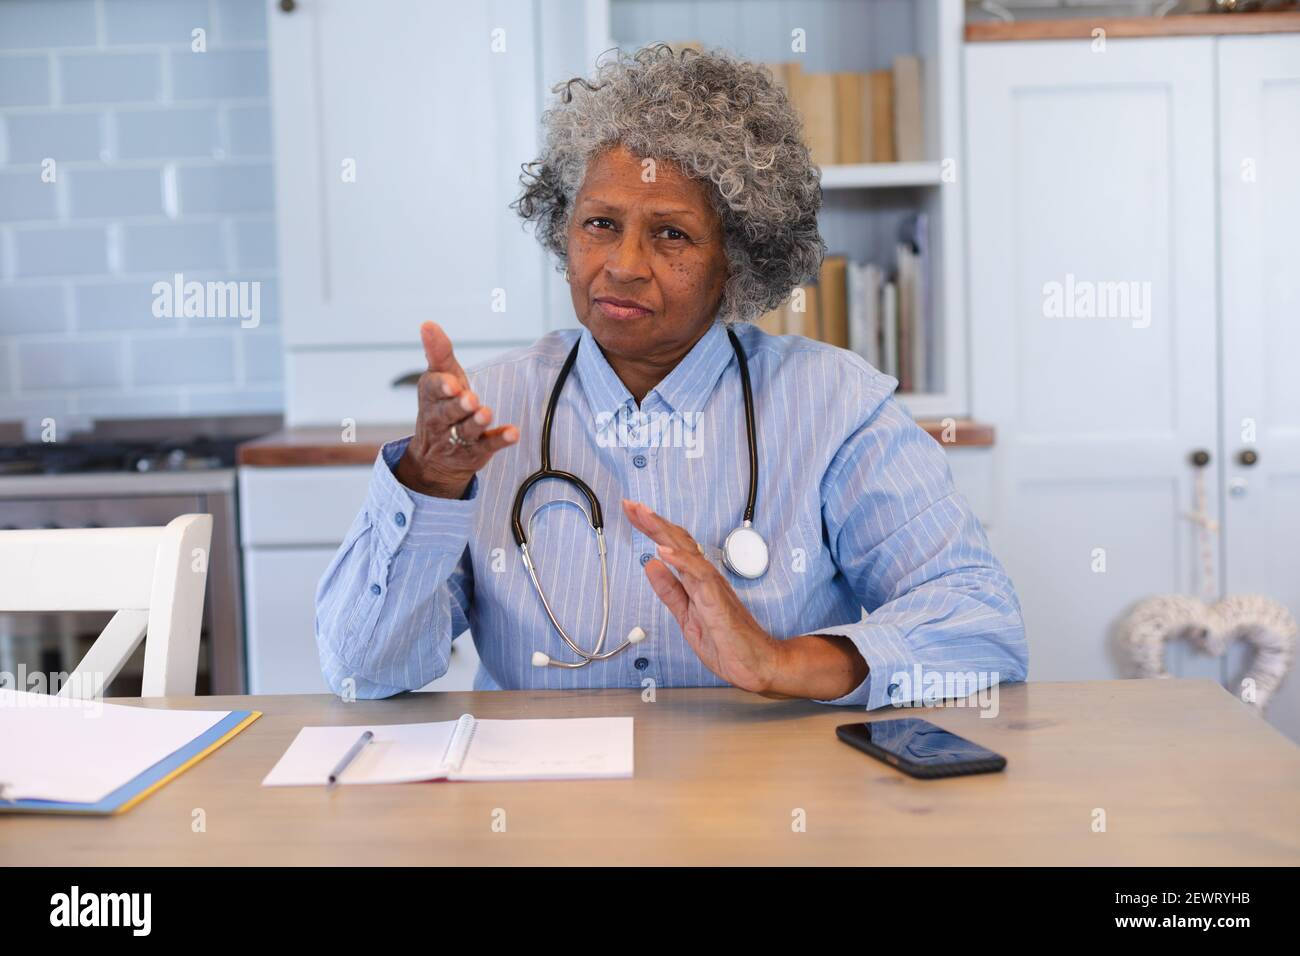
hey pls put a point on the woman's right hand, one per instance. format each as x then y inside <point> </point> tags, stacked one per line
<point>432,463</point>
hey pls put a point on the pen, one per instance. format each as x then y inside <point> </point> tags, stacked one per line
<point>348,757</point>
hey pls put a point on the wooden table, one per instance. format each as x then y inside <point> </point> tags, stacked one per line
<point>1184,773</point>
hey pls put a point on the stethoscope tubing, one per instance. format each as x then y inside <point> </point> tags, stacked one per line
<point>595,516</point>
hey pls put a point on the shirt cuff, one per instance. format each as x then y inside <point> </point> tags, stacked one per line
<point>408,519</point>
<point>890,663</point>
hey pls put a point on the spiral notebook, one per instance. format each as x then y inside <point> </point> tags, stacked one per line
<point>569,748</point>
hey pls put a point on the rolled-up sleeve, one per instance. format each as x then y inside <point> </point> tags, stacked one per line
<point>941,610</point>
<point>399,588</point>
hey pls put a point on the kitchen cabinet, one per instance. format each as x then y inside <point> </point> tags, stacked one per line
<point>1130,305</point>
<point>399,134</point>
<point>293,521</point>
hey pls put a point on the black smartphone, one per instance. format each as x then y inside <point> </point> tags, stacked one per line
<point>919,748</point>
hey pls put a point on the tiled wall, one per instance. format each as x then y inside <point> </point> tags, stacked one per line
<point>161,165</point>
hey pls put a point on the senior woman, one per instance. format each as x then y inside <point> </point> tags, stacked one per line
<point>677,192</point>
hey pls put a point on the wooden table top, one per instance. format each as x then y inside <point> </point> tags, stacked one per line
<point>1184,773</point>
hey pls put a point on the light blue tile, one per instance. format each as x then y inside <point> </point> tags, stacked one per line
<point>115,192</point>
<point>189,359</point>
<point>155,21</point>
<point>69,364</point>
<point>250,131</point>
<point>127,404</point>
<point>44,23</point>
<point>114,306</point>
<point>217,74</point>
<point>32,308</point>
<point>236,401</point>
<point>224,189</point>
<point>270,302</point>
<point>33,409</point>
<point>167,133</point>
<point>110,77</point>
<point>166,247</point>
<point>66,250</point>
<point>24,81</point>
<point>241,21</point>
<point>24,197</point>
<point>255,244</point>
<point>263,355</point>
<point>61,136</point>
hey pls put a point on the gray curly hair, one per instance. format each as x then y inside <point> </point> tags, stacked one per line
<point>720,119</point>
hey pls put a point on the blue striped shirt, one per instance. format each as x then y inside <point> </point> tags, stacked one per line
<point>855,500</point>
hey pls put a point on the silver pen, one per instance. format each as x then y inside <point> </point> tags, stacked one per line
<point>348,757</point>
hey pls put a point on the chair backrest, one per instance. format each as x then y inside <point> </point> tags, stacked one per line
<point>154,578</point>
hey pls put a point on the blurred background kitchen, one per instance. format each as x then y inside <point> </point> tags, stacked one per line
<point>1066,227</point>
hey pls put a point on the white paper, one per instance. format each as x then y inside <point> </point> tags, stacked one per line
<point>572,748</point>
<point>399,753</point>
<point>557,749</point>
<point>80,751</point>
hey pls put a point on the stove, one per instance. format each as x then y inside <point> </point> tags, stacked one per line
<point>131,474</point>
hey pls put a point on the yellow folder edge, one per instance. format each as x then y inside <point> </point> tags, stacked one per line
<point>228,735</point>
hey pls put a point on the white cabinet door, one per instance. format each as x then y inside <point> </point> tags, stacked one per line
<point>400,127</point>
<point>1259,162</point>
<point>292,521</point>
<point>1092,292</point>
<point>282,656</point>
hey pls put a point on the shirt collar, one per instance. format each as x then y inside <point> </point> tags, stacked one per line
<point>685,389</point>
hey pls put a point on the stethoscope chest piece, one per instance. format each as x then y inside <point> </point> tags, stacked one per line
<point>745,552</point>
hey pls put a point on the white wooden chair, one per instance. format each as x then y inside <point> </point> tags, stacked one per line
<point>154,578</point>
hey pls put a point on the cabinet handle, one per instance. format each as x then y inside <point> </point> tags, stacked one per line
<point>1247,457</point>
<point>1200,458</point>
<point>410,378</point>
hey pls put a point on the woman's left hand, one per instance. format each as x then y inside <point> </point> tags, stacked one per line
<point>720,629</point>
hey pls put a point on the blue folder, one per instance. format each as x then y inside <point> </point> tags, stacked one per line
<point>132,792</point>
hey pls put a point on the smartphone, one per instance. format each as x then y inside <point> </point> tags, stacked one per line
<point>919,748</point>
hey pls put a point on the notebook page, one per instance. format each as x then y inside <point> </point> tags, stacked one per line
<point>399,753</point>
<point>553,749</point>
<point>79,751</point>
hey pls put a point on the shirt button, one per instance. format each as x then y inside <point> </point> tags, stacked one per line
<point>641,663</point>
<point>400,519</point>
<point>645,559</point>
<point>639,461</point>
<point>375,589</point>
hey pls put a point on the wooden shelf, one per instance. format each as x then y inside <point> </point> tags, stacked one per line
<point>881,175</point>
<point>1196,24</point>
<point>966,433</point>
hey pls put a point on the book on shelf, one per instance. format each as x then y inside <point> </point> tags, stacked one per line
<point>883,312</point>
<point>849,118</point>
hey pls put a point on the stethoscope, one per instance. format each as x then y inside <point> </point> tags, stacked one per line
<point>744,551</point>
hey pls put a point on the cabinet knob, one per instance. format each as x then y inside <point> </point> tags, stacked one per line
<point>287,6</point>
<point>1200,458</point>
<point>1247,457</point>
